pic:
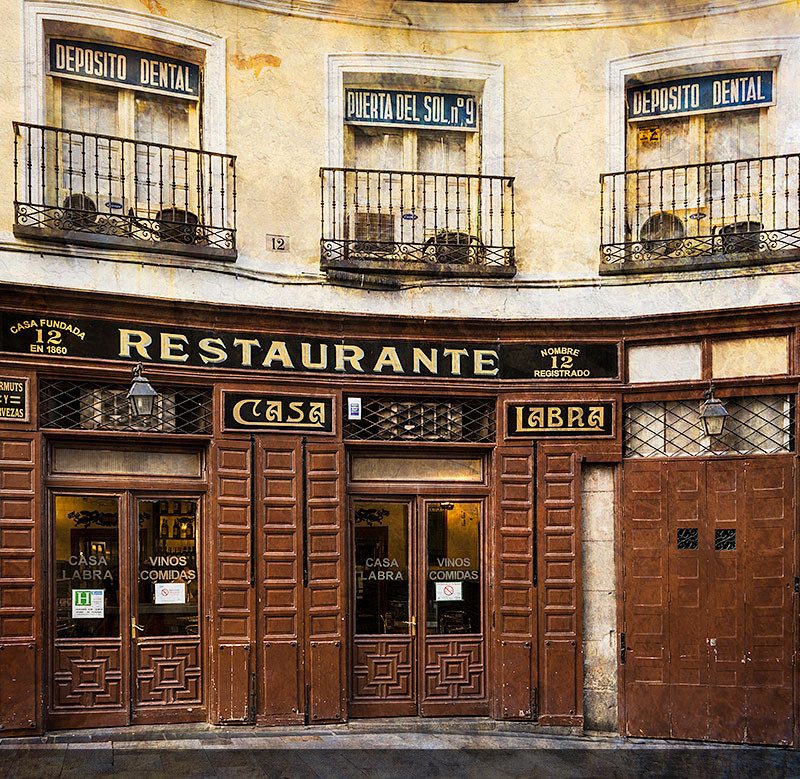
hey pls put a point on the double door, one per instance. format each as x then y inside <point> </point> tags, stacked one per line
<point>418,607</point>
<point>124,609</point>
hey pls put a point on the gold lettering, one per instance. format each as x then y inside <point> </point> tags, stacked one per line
<point>237,411</point>
<point>136,339</point>
<point>388,356</point>
<point>455,356</point>
<point>431,361</point>
<point>485,364</point>
<point>295,407</point>
<point>305,356</point>
<point>214,349</point>
<point>596,416</point>
<point>274,411</point>
<point>172,345</point>
<point>350,354</point>
<point>247,345</point>
<point>574,416</point>
<point>277,352</point>
<point>536,418</point>
<point>554,417</point>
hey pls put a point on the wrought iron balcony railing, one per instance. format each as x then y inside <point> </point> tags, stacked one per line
<point>737,212</point>
<point>412,222</point>
<point>103,190</point>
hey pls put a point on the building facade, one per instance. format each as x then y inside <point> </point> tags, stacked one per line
<point>430,296</point>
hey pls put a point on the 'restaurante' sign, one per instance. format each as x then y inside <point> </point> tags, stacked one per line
<point>106,64</point>
<point>55,335</point>
<point>701,94</point>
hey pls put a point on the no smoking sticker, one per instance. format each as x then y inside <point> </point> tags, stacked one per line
<point>448,591</point>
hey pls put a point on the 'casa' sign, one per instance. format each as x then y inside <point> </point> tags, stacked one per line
<point>568,420</point>
<point>278,413</point>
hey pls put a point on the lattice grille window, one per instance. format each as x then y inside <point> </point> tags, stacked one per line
<point>756,425</point>
<point>71,405</point>
<point>389,419</point>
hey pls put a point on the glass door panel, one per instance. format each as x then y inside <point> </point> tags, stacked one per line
<point>381,557</point>
<point>87,567</point>
<point>453,586</point>
<point>168,580</point>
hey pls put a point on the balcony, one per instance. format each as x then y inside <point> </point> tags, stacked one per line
<point>430,224</point>
<point>711,215</point>
<point>101,190</point>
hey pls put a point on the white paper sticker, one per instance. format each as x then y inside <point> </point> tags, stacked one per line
<point>174,592</point>
<point>88,604</point>
<point>354,408</point>
<point>448,591</point>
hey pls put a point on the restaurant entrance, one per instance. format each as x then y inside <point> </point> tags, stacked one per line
<point>125,598</point>
<point>418,635</point>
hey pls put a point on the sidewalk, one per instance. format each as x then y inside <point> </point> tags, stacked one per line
<point>462,748</point>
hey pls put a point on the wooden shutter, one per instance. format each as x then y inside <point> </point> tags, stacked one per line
<point>232,611</point>
<point>280,580</point>
<point>20,621</point>
<point>325,593</point>
<point>558,509</point>
<point>514,595</point>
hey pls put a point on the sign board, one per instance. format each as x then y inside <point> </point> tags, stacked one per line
<point>701,94</point>
<point>88,604</point>
<point>172,592</point>
<point>123,67</point>
<point>291,354</point>
<point>567,420</point>
<point>403,108</point>
<point>448,591</point>
<point>279,413</point>
<point>13,399</point>
<point>354,408</point>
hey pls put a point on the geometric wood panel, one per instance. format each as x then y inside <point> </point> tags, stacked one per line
<point>382,669</point>
<point>279,578</point>
<point>87,675</point>
<point>514,594</point>
<point>454,669</point>
<point>168,672</point>
<point>20,620</point>
<point>558,510</point>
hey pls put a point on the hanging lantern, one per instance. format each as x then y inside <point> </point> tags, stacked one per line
<point>141,395</point>
<point>712,413</point>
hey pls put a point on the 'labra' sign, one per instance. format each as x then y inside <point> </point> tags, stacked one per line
<point>567,420</point>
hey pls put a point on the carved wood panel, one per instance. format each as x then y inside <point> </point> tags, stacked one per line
<point>168,672</point>
<point>87,675</point>
<point>232,609</point>
<point>514,594</point>
<point>279,575</point>
<point>325,592</point>
<point>560,611</point>
<point>20,620</point>
<point>383,669</point>
<point>454,669</point>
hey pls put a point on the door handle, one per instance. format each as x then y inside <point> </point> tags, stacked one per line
<point>135,627</point>
<point>413,622</point>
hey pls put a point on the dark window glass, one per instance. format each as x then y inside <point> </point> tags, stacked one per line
<point>86,547</point>
<point>453,586</point>
<point>168,572</point>
<point>687,538</point>
<point>724,539</point>
<point>380,535</point>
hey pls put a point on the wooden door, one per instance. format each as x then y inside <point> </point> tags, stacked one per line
<point>708,580</point>
<point>418,637</point>
<point>165,611</point>
<point>89,614</point>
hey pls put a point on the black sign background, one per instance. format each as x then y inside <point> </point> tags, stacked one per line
<point>13,398</point>
<point>554,432</point>
<point>54,335</point>
<point>295,418</point>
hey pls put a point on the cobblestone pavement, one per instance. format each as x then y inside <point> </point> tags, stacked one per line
<point>465,750</point>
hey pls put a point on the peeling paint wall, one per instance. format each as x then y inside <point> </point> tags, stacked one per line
<point>599,600</point>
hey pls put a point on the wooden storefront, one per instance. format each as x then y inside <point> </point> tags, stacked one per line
<point>397,533</point>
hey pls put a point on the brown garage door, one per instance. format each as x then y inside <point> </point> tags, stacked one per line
<point>708,578</point>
